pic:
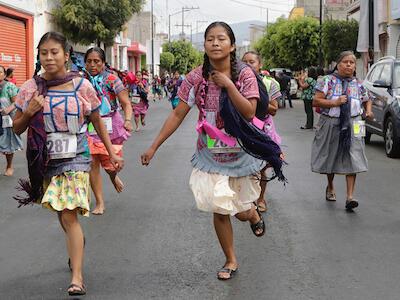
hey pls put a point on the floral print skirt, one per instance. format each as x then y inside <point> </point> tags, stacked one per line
<point>70,190</point>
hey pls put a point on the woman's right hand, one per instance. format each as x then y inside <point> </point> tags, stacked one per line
<point>35,104</point>
<point>341,100</point>
<point>147,156</point>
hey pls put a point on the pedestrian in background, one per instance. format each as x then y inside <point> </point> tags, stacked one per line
<point>338,146</point>
<point>307,82</point>
<point>139,91</point>
<point>10,76</point>
<point>119,128</point>
<point>173,87</point>
<point>9,141</point>
<point>253,59</point>
<point>284,81</point>
<point>223,182</point>
<point>156,88</point>
<point>54,108</point>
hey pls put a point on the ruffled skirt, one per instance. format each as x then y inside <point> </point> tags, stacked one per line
<point>70,190</point>
<point>222,194</point>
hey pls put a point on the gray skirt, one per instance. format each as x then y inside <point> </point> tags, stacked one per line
<point>327,158</point>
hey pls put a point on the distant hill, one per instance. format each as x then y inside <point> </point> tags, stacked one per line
<point>241,31</point>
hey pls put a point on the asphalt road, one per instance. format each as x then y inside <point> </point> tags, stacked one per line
<point>152,242</point>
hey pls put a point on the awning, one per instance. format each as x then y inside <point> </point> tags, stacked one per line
<point>137,47</point>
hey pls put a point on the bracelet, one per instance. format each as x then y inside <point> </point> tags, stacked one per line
<point>127,120</point>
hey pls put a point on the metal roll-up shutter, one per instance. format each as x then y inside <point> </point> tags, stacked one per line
<point>13,47</point>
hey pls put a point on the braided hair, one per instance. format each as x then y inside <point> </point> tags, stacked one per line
<point>207,65</point>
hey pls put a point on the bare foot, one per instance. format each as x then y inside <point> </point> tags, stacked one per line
<point>9,172</point>
<point>98,210</point>
<point>117,182</point>
<point>137,129</point>
<point>262,205</point>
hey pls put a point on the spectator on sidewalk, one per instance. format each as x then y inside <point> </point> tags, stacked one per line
<point>9,141</point>
<point>307,82</point>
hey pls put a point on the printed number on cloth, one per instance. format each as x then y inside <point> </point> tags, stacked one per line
<point>7,121</point>
<point>107,122</point>
<point>135,99</point>
<point>217,146</point>
<point>61,145</point>
<point>359,128</point>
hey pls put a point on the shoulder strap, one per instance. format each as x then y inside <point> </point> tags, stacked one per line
<point>79,84</point>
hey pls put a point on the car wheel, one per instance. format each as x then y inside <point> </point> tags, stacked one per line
<point>392,143</point>
<point>367,138</point>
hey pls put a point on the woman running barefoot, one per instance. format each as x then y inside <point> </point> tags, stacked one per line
<point>118,128</point>
<point>54,107</point>
<point>226,171</point>
<point>140,104</point>
<point>9,141</point>
<point>254,60</point>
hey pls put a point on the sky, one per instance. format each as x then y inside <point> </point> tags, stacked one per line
<point>230,11</point>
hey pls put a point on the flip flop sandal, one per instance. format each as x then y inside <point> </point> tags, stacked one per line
<point>329,196</point>
<point>69,260</point>
<point>351,203</point>
<point>259,225</point>
<point>226,271</point>
<point>81,290</point>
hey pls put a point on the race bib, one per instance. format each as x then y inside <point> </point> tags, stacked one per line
<point>217,146</point>
<point>107,122</point>
<point>135,99</point>
<point>7,121</point>
<point>359,128</point>
<point>61,145</point>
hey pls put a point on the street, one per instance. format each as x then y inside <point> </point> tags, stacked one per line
<point>152,242</point>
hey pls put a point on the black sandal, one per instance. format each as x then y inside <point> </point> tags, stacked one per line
<point>259,225</point>
<point>69,260</point>
<point>81,291</point>
<point>231,273</point>
<point>351,203</point>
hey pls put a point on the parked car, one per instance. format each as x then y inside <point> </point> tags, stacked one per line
<point>383,85</point>
<point>293,82</point>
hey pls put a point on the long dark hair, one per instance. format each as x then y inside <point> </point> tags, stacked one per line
<point>231,35</point>
<point>57,37</point>
<point>102,55</point>
<point>312,72</point>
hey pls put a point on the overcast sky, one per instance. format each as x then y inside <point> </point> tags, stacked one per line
<point>230,11</point>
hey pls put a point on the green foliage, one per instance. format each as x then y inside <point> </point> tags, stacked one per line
<point>295,43</point>
<point>167,60</point>
<point>186,56</point>
<point>338,36</point>
<point>290,43</point>
<point>90,21</point>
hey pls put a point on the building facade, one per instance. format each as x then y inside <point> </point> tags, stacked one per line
<point>17,37</point>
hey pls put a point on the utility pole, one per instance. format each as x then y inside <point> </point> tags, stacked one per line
<point>197,28</point>
<point>320,34</point>
<point>185,8</point>
<point>152,41</point>
<point>191,30</point>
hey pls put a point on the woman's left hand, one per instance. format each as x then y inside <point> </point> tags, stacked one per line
<point>117,162</point>
<point>128,125</point>
<point>369,115</point>
<point>221,79</point>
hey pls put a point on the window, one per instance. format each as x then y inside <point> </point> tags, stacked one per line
<point>374,75</point>
<point>386,74</point>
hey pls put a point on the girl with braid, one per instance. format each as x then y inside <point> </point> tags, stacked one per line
<point>222,179</point>
<point>119,128</point>
<point>54,107</point>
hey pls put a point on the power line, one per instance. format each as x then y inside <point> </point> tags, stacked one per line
<point>259,6</point>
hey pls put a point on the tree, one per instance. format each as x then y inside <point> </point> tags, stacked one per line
<point>167,60</point>
<point>290,43</point>
<point>94,20</point>
<point>338,36</point>
<point>186,56</point>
